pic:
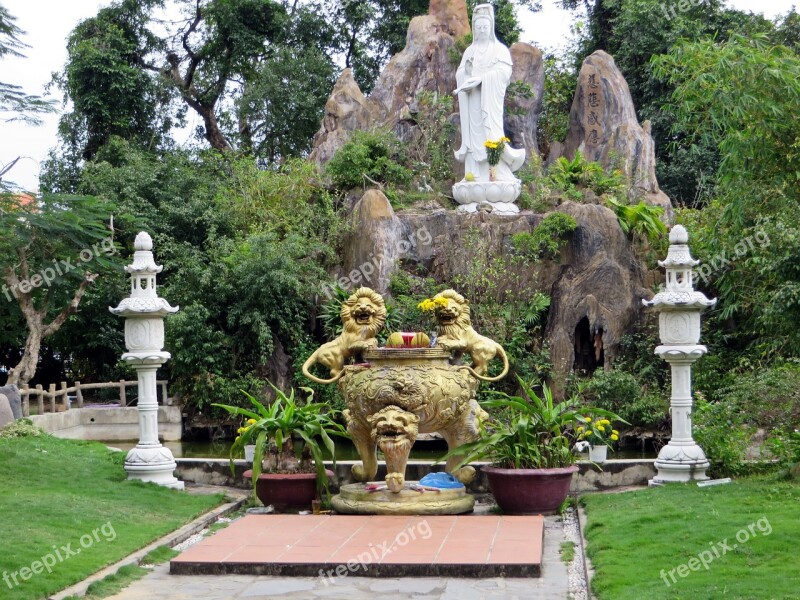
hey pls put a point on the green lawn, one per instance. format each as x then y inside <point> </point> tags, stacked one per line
<point>737,541</point>
<point>67,511</point>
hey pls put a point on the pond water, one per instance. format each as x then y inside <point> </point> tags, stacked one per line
<point>344,450</point>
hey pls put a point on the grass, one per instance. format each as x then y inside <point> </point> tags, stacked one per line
<point>69,511</point>
<point>116,582</point>
<point>736,541</point>
<point>567,551</point>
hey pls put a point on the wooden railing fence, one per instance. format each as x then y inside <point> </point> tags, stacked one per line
<point>53,399</point>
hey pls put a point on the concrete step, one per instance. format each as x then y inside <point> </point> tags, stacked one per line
<point>370,546</point>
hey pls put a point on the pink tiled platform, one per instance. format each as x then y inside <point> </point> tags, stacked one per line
<point>371,546</point>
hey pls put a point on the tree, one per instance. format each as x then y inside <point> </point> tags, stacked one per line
<point>52,250</point>
<point>633,31</point>
<point>13,101</point>
<point>256,71</point>
<point>741,96</point>
<point>15,104</point>
<point>105,77</point>
<point>370,32</point>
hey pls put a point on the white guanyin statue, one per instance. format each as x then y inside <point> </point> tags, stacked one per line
<point>482,79</point>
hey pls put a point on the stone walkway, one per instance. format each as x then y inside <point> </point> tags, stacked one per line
<point>553,585</point>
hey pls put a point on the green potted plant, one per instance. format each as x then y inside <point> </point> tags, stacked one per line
<point>530,445</point>
<point>599,434</point>
<point>288,465</point>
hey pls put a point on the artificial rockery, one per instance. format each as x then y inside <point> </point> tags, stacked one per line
<point>515,233</point>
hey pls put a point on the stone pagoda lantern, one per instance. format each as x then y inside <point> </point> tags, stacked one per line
<point>144,315</point>
<point>679,307</point>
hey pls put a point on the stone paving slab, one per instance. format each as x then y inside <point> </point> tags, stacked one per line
<point>374,546</point>
<point>552,585</point>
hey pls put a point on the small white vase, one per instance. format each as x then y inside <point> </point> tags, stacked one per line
<point>249,452</point>
<point>598,454</point>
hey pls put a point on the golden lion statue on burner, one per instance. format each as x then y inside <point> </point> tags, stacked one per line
<point>457,335</point>
<point>363,315</point>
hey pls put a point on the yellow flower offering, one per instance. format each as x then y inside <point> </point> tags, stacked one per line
<point>495,149</point>
<point>587,419</point>
<point>429,304</point>
<point>600,428</point>
<point>469,177</point>
<point>251,421</point>
<point>614,437</point>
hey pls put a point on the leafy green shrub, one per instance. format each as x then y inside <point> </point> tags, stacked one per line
<point>515,90</point>
<point>571,176</point>
<point>560,75</point>
<point>622,393</point>
<point>430,149</point>
<point>636,355</point>
<point>407,292</point>
<point>331,312</point>
<point>278,200</point>
<point>785,447</point>
<point>545,242</point>
<point>770,397</point>
<point>375,154</point>
<point>529,357</point>
<point>456,51</point>
<point>719,428</point>
<point>400,284</point>
<point>639,220</point>
<point>21,428</point>
<point>536,193</point>
<point>767,399</point>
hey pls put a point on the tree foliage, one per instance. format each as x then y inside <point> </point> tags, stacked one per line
<point>15,104</point>
<point>256,73</point>
<point>633,31</point>
<point>741,96</point>
<point>105,78</point>
<point>52,250</point>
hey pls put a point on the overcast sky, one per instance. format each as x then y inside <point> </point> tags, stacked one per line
<point>47,24</point>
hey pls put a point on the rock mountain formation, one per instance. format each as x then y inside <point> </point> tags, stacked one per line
<point>597,284</point>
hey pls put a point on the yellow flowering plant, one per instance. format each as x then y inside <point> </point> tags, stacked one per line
<point>286,434</point>
<point>494,149</point>
<point>597,431</point>
<point>534,432</point>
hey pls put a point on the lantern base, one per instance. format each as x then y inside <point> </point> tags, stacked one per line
<point>152,465</point>
<point>677,463</point>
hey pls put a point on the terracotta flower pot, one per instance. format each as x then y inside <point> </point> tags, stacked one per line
<point>285,491</point>
<point>529,491</point>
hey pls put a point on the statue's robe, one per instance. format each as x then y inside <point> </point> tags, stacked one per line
<point>481,109</point>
